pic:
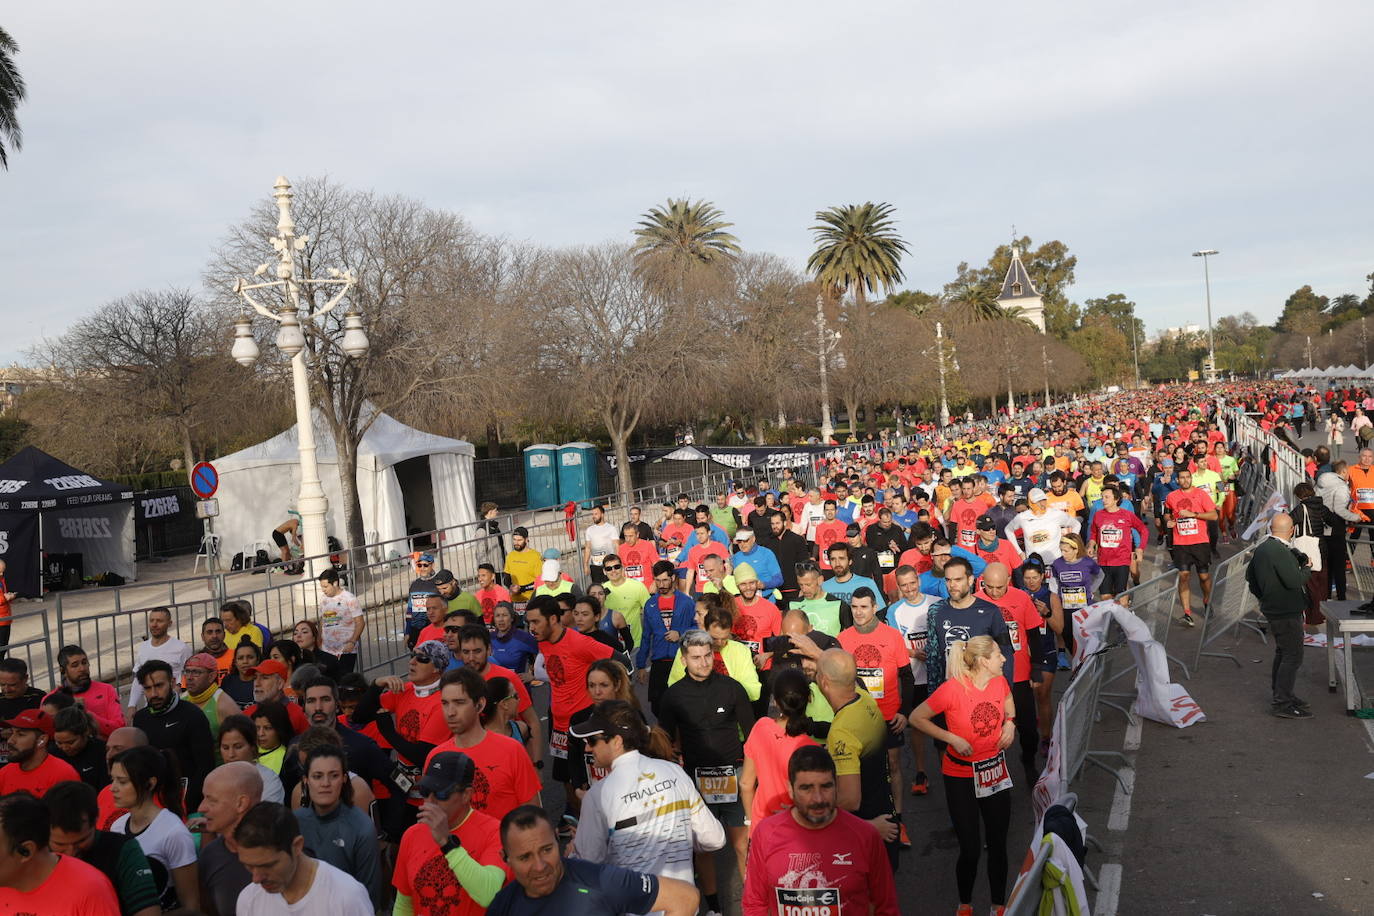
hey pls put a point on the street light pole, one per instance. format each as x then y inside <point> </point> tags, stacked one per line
<point>827,425</point>
<point>1135,354</point>
<point>311,502</point>
<point>1045,359</point>
<point>1207,279</point>
<point>940,350</point>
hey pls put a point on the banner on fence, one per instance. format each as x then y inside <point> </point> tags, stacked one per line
<point>1157,698</point>
<point>773,457</point>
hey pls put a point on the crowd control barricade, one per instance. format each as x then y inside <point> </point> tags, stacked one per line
<point>1079,707</point>
<point>1231,604</point>
<point>35,648</point>
<point>1154,602</point>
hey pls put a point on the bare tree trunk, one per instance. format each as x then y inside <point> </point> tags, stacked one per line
<point>851,405</point>
<point>758,431</point>
<point>782,418</point>
<point>493,440</point>
<point>620,444</point>
<point>871,420</point>
<point>187,454</point>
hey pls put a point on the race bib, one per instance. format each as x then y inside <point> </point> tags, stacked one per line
<point>558,744</point>
<point>1187,526</point>
<point>918,640</point>
<point>1364,495</point>
<point>701,573</point>
<point>887,559</point>
<point>873,681</point>
<point>407,778</point>
<point>990,776</point>
<point>594,772</point>
<point>967,539</point>
<point>635,571</point>
<point>718,785</point>
<point>808,901</point>
<point>754,647</point>
<point>598,556</point>
<point>1110,537</point>
<point>1014,628</point>
<point>1074,596</point>
<point>1039,537</point>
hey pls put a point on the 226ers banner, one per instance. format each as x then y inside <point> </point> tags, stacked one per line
<point>19,550</point>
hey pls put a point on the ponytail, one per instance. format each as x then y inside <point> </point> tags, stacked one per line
<point>961,660</point>
<point>792,693</point>
<point>659,745</point>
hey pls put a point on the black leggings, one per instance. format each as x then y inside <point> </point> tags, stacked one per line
<point>1027,728</point>
<point>965,810</point>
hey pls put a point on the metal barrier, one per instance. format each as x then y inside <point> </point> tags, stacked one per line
<point>35,651</point>
<point>1231,604</point>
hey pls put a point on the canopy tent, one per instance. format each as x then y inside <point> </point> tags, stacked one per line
<point>48,507</point>
<point>408,481</point>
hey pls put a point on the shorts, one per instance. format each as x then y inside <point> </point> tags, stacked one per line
<point>278,538</point>
<point>894,739</point>
<point>1196,556</point>
<point>730,814</point>
<point>1115,580</point>
<point>559,771</point>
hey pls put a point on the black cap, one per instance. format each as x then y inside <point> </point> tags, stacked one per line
<point>596,725</point>
<point>522,531</point>
<point>442,577</point>
<point>985,523</point>
<point>448,770</point>
<point>852,530</point>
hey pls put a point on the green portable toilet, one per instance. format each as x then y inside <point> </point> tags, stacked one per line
<point>541,476</point>
<point>577,478</point>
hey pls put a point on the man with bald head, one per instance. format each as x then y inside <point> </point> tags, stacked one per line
<point>858,744</point>
<point>1025,628</point>
<point>1277,576</point>
<point>120,740</point>
<point>230,790</point>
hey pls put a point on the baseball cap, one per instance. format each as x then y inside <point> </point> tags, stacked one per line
<point>849,531</point>
<point>985,523</point>
<point>201,660</point>
<point>448,770</point>
<point>551,554</point>
<point>33,720</point>
<point>423,589</point>
<point>438,653</point>
<point>442,577</point>
<point>596,725</point>
<point>1036,495</point>
<point>522,531</point>
<point>269,666</point>
<point>425,558</point>
<point>744,534</point>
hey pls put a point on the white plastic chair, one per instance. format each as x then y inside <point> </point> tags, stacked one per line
<point>209,544</point>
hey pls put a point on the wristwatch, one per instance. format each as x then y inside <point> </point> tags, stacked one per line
<point>452,844</point>
<point>539,764</point>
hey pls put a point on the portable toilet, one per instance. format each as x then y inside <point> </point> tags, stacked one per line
<point>577,477</point>
<point>541,476</point>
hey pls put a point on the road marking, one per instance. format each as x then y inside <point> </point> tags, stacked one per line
<point>1133,729</point>
<point>1120,817</point>
<point>1108,890</point>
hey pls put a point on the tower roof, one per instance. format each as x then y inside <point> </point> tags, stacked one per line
<point>1017,284</point>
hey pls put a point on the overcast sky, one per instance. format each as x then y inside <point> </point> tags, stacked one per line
<point>1135,137</point>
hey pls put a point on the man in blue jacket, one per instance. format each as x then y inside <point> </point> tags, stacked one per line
<point>762,560</point>
<point>668,614</point>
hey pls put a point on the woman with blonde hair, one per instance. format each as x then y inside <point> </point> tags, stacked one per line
<point>979,725</point>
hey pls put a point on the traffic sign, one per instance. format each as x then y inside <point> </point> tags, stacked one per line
<point>204,480</point>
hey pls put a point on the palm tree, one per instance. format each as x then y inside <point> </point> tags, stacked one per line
<point>689,232</point>
<point>12,92</point>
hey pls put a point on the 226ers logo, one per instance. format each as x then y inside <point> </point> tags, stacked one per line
<point>985,719</point>
<point>554,666</point>
<point>867,656</point>
<point>437,892</point>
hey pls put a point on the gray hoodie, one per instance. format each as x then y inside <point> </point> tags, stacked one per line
<point>1335,492</point>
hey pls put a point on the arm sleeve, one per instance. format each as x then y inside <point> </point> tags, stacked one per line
<point>134,879</point>
<point>403,906</point>
<point>482,882</point>
<point>772,577</point>
<point>415,751</point>
<point>907,683</point>
<point>367,707</point>
<point>590,842</point>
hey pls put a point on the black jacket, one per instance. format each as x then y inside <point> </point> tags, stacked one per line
<point>1277,579</point>
<point>790,549</point>
<point>185,732</point>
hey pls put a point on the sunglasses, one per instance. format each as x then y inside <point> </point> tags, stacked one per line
<point>605,568</point>
<point>594,740</point>
<point>422,657</point>
<point>453,629</point>
<point>423,563</point>
<point>439,794</point>
<point>808,566</point>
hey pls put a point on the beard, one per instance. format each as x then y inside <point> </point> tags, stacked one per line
<point>18,756</point>
<point>80,686</point>
<point>816,814</point>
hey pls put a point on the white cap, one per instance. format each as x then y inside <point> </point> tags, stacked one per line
<point>1036,495</point>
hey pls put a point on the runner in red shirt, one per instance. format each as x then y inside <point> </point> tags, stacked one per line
<point>1025,626</point>
<point>697,553</point>
<point>38,880</point>
<point>963,516</point>
<point>567,656</point>
<point>489,592</point>
<point>31,768</point>
<point>434,875</point>
<point>1186,512</point>
<point>814,857</point>
<point>830,531</point>
<point>474,648</point>
<point>1110,543</point>
<point>505,778</point>
<point>414,721</point>
<point>638,556</point>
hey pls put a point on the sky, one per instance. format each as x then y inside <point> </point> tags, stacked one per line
<point>1134,136</point>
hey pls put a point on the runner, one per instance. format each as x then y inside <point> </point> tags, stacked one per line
<point>763,779</point>
<point>625,596</point>
<point>1026,627</point>
<point>1186,509</point>
<point>909,615</point>
<point>668,615</point>
<point>1112,544</point>
<point>1040,526</point>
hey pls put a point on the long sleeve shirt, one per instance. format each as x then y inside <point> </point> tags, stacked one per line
<point>764,563</point>
<point>655,646</point>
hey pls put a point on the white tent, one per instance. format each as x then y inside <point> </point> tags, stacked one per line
<point>408,481</point>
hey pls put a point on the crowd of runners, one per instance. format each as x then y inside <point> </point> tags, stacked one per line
<point>775,677</point>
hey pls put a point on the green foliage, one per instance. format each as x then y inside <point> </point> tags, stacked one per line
<point>1120,312</point>
<point>12,92</point>
<point>790,434</point>
<point>1105,349</point>
<point>858,249</point>
<point>1303,313</point>
<point>686,231</point>
<point>14,435</point>
<point>914,301</point>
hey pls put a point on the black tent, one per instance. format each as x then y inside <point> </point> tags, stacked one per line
<point>49,508</point>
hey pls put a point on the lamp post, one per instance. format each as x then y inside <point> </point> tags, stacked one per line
<point>1045,359</point>
<point>290,340</point>
<point>1211,344</point>
<point>940,348</point>
<point>1135,354</point>
<point>822,351</point>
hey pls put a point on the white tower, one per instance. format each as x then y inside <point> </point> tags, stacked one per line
<point>1019,291</point>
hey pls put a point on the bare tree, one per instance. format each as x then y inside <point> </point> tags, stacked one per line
<point>624,350</point>
<point>407,258</point>
<point>161,354</point>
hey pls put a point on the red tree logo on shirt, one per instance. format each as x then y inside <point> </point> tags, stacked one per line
<point>481,788</point>
<point>554,666</point>
<point>437,891</point>
<point>867,656</point>
<point>746,627</point>
<point>409,724</point>
<point>985,719</point>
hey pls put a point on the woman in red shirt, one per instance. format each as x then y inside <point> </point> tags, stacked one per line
<point>980,724</point>
<point>763,781</point>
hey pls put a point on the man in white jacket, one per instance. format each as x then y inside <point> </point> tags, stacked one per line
<point>647,814</point>
<point>1333,487</point>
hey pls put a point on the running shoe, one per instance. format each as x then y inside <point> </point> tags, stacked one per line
<point>1292,712</point>
<point>920,786</point>
<point>965,909</point>
<point>1064,662</point>
<point>1187,620</point>
<point>903,837</point>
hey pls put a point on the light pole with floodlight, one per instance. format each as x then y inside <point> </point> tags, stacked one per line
<point>1211,344</point>
<point>290,340</point>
